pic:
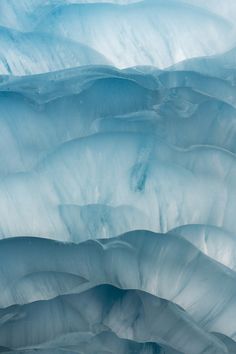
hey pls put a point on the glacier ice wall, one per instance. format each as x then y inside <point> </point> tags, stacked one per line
<point>117,177</point>
<point>62,33</point>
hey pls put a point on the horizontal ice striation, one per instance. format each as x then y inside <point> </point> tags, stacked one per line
<point>147,174</point>
<point>116,117</point>
<point>171,31</point>
<point>157,267</point>
<point>182,108</point>
<point>124,313</point>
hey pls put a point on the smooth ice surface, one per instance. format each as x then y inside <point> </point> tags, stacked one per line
<point>117,177</point>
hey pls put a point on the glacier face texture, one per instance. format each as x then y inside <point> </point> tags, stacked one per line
<point>117,177</point>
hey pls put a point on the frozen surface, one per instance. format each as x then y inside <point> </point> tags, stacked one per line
<point>117,177</point>
<point>126,33</point>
